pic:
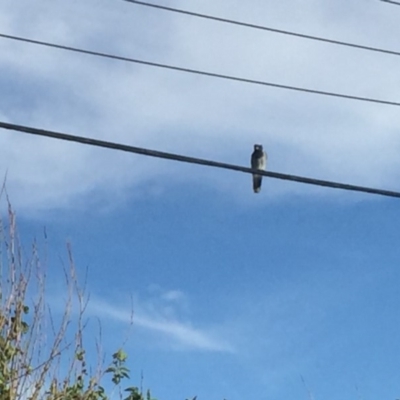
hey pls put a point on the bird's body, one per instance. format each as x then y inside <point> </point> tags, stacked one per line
<point>258,161</point>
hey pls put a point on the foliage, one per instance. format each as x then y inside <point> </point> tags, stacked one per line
<point>33,347</point>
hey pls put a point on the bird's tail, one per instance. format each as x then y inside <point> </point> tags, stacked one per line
<point>257,179</point>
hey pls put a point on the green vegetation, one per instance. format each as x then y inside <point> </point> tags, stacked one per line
<point>36,359</point>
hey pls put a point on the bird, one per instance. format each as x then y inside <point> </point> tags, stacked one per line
<point>258,161</point>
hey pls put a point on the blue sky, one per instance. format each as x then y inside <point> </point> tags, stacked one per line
<point>235,295</point>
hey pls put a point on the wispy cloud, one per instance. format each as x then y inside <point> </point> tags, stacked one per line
<point>183,334</point>
<point>173,295</point>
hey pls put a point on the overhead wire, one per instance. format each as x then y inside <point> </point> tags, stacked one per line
<point>200,72</point>
<point>192,160</point>
<point>266,28</point>
<point>391,2</point>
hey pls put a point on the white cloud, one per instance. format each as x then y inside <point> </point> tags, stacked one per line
<point>180,335</point>
<point>173,295</point>
<point>304,134</point>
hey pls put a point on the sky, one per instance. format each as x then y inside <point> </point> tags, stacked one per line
<point>289,293</point>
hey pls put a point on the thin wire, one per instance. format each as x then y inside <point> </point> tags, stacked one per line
<point>199,72</point>
<point>265,28</point>
<point>391,2</point>
<point>192,160</point>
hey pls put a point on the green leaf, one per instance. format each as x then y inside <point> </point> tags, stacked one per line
<point>120,355</point>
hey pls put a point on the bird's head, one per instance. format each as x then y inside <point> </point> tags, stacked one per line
<point>258,147</point>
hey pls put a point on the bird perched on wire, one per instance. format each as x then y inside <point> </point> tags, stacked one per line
<point>258,161</point>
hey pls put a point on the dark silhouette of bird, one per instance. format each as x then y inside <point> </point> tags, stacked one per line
<point>258,161</point>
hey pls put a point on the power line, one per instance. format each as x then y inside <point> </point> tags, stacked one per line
<point>199,72</point>
<point>266,28</point>
<point>192,160</point>
<point>391,2</point>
